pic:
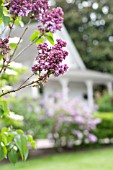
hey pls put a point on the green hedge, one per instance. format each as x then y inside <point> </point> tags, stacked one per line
<point>105,128</point>
<point>105,103</point>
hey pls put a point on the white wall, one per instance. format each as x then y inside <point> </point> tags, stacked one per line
<point>51,88</point>
<point>77,89</point>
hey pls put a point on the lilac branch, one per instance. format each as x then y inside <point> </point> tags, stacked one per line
<point>26,80</point>
<point>11,28</point>
<point>22,51</point>
<point>3,31</point>
<point>21,87</point>
<point>11,56</point>
<point>29,45</point>
<point>20,39</point>
<point>37,82</point>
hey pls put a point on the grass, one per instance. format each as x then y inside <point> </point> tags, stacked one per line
<point>87,160</point>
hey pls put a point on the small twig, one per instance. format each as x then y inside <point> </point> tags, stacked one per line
<point>11,28</point>
<point>2,67</point>
<point>39,81</point>
<point>29,45</point>
<point>11,56</point>
<point>20,39</point>
<point>3,31</point>
<point>22,51</point>
<point>26,80</point>
<point>19,88</point>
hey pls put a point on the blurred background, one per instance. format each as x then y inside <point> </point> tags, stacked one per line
<point>71,118</point>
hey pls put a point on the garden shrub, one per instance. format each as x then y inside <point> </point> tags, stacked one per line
<point>105,103</point>
<point>68,123</point>
<point>105,128</point>
<point>31,110</point>
<point>55,120</point>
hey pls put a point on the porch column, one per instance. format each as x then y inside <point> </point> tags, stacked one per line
<point>89,85</point>
<point>110,87</point>
<point>34,92</point>
<point>65,90</point>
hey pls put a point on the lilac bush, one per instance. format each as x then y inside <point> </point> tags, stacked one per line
<point>49,61</point>
<point>68,123</point>
<point>72,122</point>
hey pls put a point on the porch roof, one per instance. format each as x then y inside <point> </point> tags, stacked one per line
<point>85,75</point>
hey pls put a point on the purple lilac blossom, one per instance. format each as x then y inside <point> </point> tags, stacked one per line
<point>51,20</point>
<point>20,7</point>
<point>4,48</point>
<point>50,59</point>
<point>25,7</point>
<point>75,118</point>
<point>92,138</point>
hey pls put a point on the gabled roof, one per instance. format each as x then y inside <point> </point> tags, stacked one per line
<point>77,71</point>
<point>74,60</point>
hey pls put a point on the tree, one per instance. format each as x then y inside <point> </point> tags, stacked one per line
<point>47,62</point>
<point>90,26</point>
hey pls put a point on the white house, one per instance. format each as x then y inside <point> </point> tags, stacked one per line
<point>77,82</point>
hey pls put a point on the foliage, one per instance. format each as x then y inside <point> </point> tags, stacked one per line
<point>56,121</point>
<point>30,109</point>
<point>65,122</point>
<point>13,142</point>
<point>12,75</point>
<point>105,128</point>
<point>90,25</point>
<point>105,103</point>
<point>49,60</point>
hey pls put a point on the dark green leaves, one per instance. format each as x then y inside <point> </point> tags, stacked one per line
<point>22,144</point>
<point>5,19</point>
<point>1,11</point>
<point>3,16</point>
<point>1,1</point>
<point>13,156</point>
<point>14,143</point>
<point>1,111</point>
<point>4,110</point>
<point>38,39</point>
<point>3,151</point>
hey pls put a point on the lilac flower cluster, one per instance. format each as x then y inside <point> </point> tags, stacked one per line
<point>73,118</point>
<point>51,20</point>
<point>25,7</point>
<point>4,48</point>
<point>39,7</point>
<point>20,7</point>
<point>50,59</point>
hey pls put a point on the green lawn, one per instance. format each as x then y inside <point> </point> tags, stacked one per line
<point>87,160</point>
